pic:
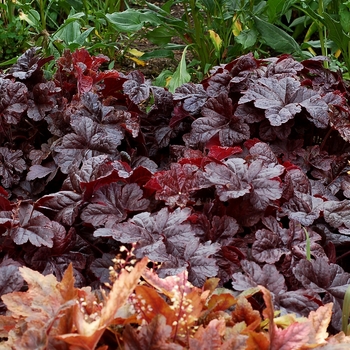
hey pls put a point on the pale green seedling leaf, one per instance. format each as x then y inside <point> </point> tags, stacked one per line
<point>346,312</point>
<point>308,245</point>
<point>181,75</point>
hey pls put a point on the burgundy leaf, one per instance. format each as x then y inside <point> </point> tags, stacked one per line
<point>220,153</point>
<point>176,185</point>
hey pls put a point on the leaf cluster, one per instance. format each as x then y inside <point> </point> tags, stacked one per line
<point>167,313</point>
<point>242,177</point>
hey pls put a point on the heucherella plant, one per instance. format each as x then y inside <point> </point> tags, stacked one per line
<point>238,182</point>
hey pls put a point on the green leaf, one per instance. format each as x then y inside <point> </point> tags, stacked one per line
<point>83,36</point>
<point>247,38</point>
<point>128,21</point>
<point>344,13</point>
<point>274,7</point>
<point>335,32</point>
<point>180,76</point>
<point>131,21</point>
<point>161,53</point>
<point>276,38</point>
<point>160,36</point>
<point>162,78</point>
<point>32,18</point>
<point>68,33</point>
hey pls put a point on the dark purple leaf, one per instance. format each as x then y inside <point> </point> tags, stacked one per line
<point>218,120</point>
<point>230,179</point>
<point>157,235</point>
<point>43,100</point>
<point>193,97</point>
<point>223,229</point>
<point>101,267</point>
<point>321,276</point>
<point>200,265</point>
<point>284,66</point>
<point>337,213</point>
<point>13,101</point>
<point>38,171</point>
<point>88,140</point>
<point>275,97</point>
<point>33,227</point>
<point>28,64</point>
<point>254,275</point>
<point>303,207</point>
<point>65,205</point>
<point>11,165</point>
<point>266,187</point>
<point>11,280</point>
<point>218,83</point>
<point>136,87</point>
<point>111,204</point>
<point>301,302</point>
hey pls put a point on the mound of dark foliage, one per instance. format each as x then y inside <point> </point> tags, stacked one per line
<point>238,177</point>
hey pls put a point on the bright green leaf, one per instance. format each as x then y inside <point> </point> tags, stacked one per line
<point>180,76</point>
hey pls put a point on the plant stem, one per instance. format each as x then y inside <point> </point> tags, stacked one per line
<point>42,6</point>
<point>322,33</point>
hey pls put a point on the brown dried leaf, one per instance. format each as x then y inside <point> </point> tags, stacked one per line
<point>209,338</point>
<point>244,312</point>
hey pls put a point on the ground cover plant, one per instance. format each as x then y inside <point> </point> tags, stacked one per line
<point>234,192</point>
